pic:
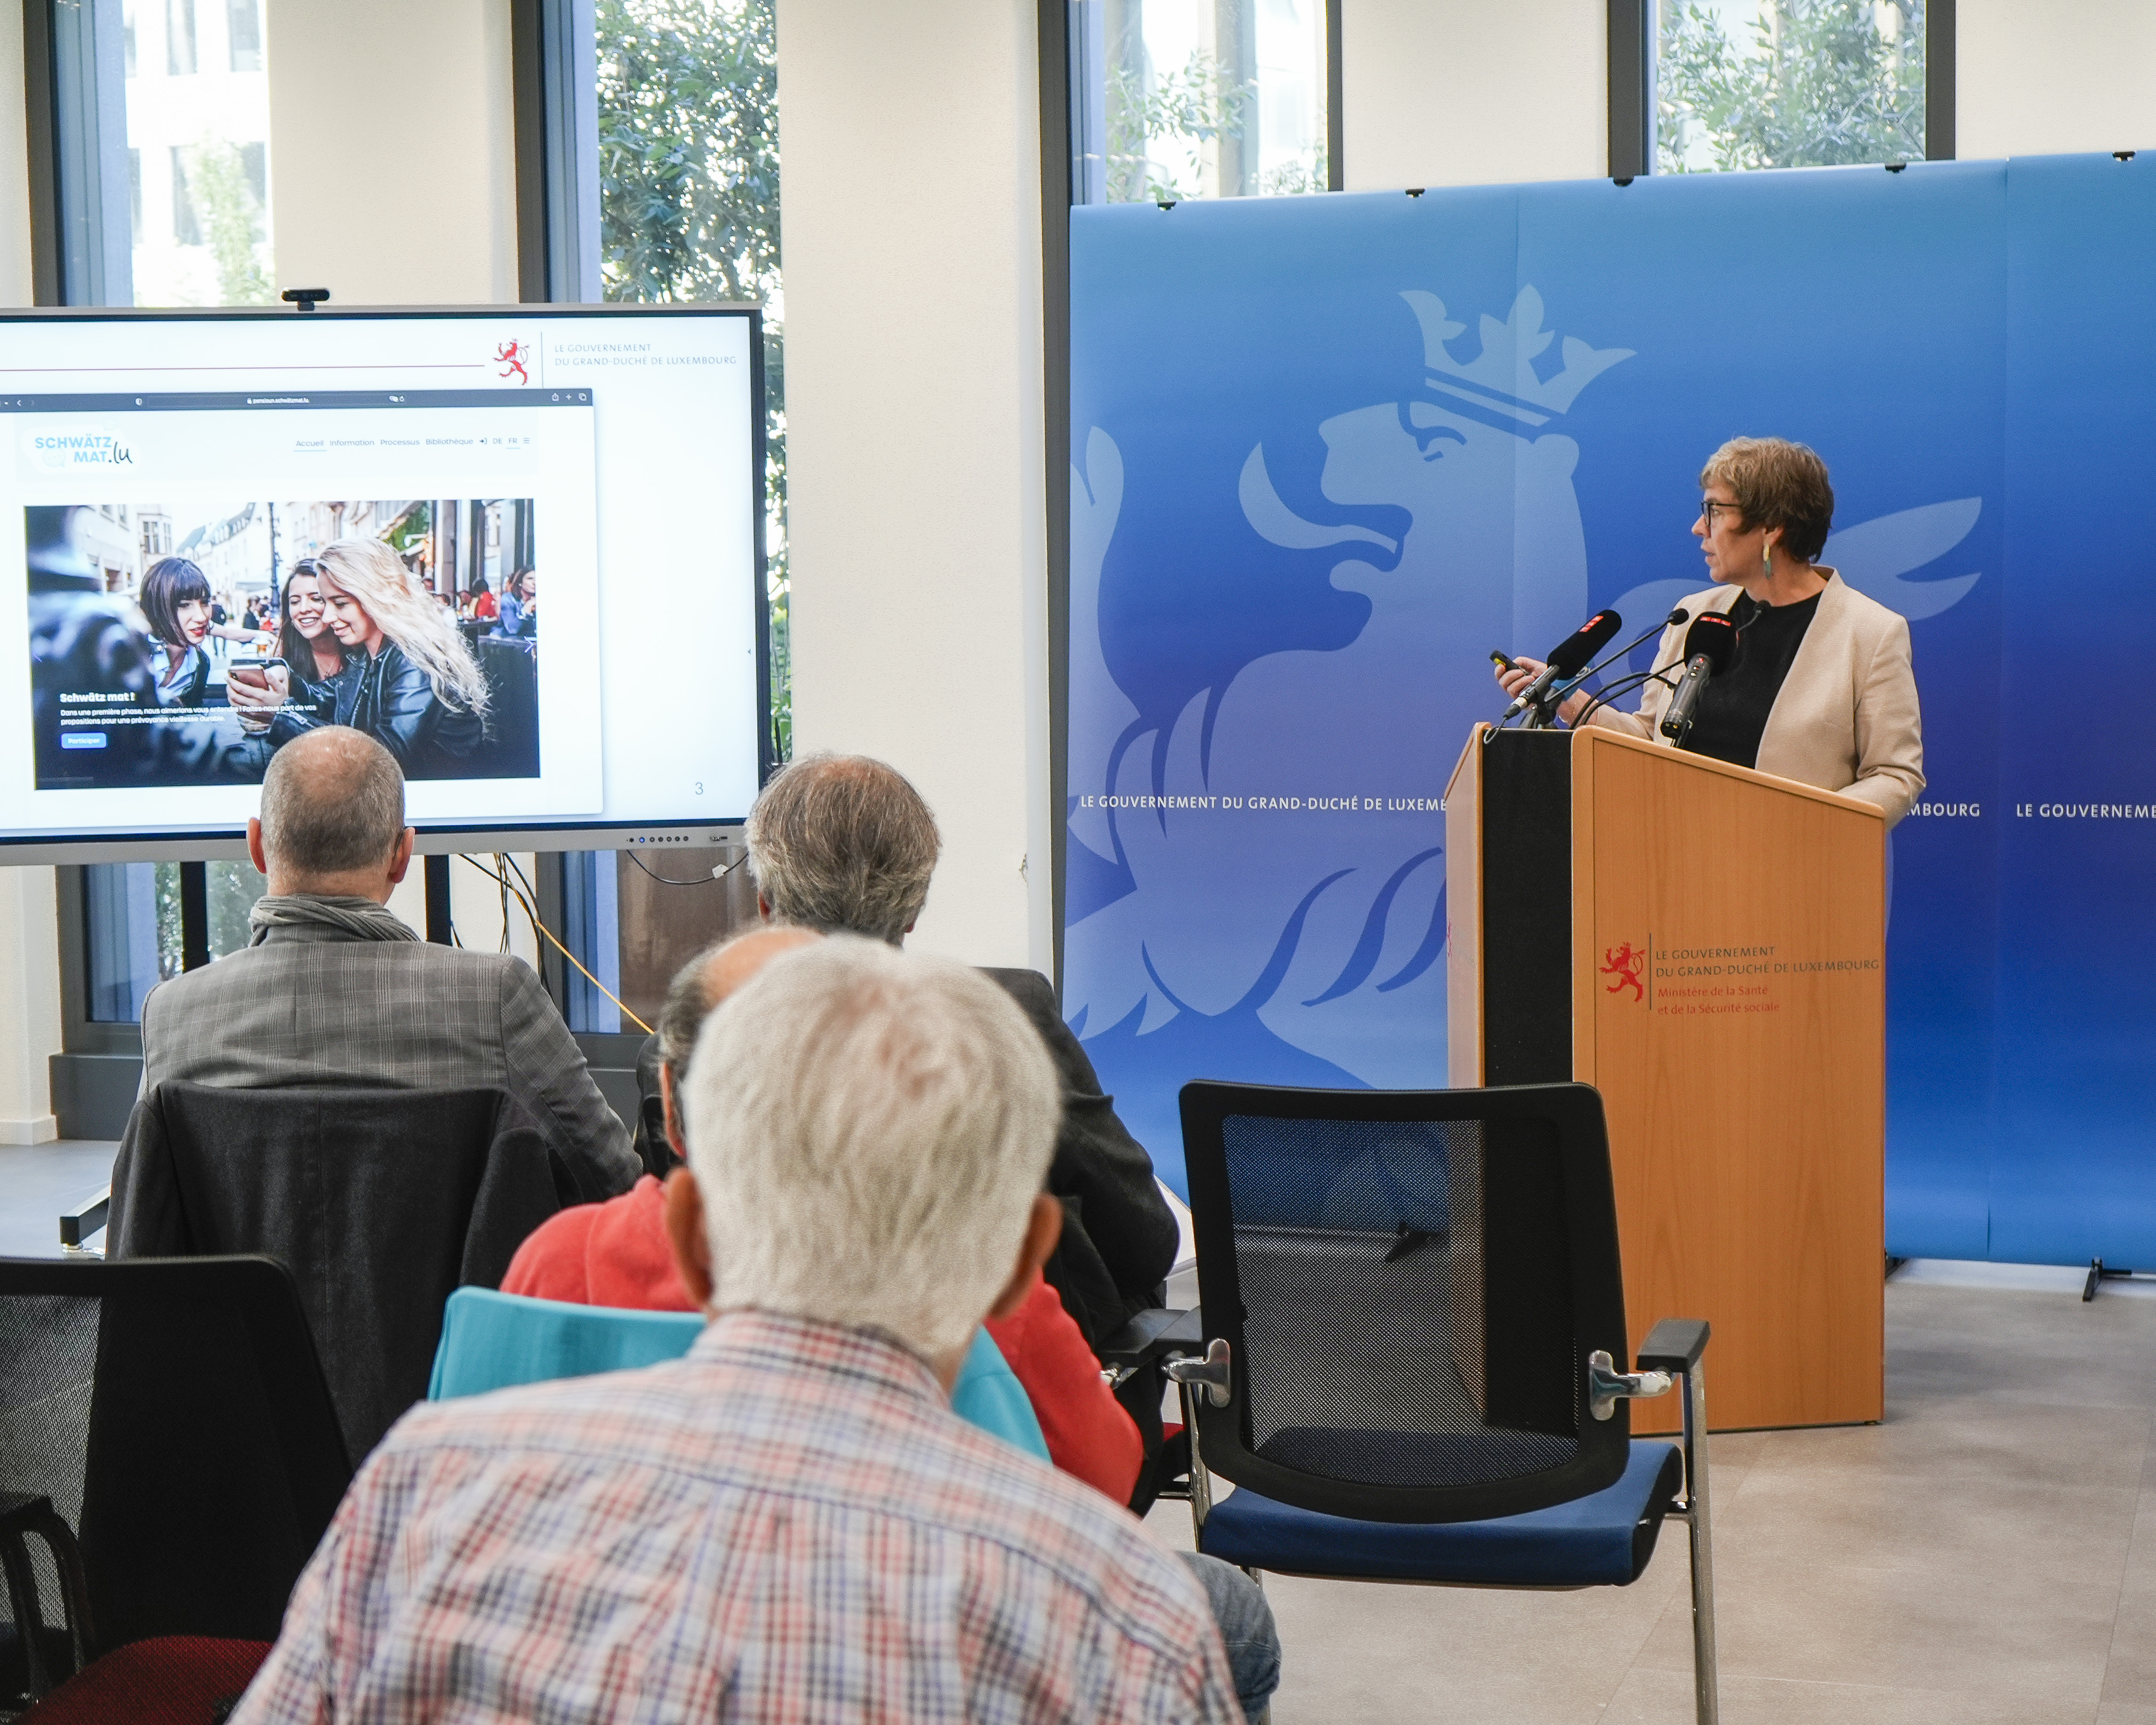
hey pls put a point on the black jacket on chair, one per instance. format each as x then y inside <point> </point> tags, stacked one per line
<point>1119,1236</point>
<point>381,1202</point>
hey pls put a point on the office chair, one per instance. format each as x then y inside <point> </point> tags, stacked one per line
<point>167,1437</point>
<point>1412,1318</point>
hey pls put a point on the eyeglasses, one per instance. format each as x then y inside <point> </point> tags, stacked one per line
<point>1707,507</point>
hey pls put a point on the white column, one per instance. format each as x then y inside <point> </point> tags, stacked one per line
<point>909,145</point>
<point>29,1005</point>
<point>1464,93</point>
<point>392,160</point>
<point>2067,75</point>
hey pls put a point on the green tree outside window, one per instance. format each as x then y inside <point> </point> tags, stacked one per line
<point>1823,82</point>
<point>688,101</point>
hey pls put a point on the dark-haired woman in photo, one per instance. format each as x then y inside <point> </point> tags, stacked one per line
<point>520,608</point>
<point>175,600</point>
<point>303,690</point>
<point>1821,690</point>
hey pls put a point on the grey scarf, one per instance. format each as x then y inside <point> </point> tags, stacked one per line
<point>358,918</point>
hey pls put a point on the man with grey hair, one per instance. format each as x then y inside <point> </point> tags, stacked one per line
<point>844,843</point>
<point>331,989</point>
<point>789,1523</point>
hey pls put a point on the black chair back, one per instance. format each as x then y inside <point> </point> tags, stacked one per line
<point>177,1414</point>
<point>512,721</point>
<point>381,1202</point>
<point>1409,1284</point>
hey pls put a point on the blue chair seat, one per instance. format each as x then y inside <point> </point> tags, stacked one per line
<point>1597,1540</point>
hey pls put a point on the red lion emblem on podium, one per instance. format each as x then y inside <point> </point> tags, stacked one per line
<point>511,354</point>
<point>1627,964</point>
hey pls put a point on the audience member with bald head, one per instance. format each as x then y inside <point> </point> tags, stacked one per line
<point>619,1254</point>
<point>616,1252</point>
<point>332,989</point>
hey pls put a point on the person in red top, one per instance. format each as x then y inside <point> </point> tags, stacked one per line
<point>617,1253</point>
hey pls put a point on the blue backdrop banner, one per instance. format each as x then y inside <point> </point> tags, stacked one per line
<point>1328,452</point>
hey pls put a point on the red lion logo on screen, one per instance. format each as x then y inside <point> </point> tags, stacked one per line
<point>512,355</point>
<point>1627,964</point>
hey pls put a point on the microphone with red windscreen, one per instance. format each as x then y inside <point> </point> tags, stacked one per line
<point>1566,658</point>
<point>1709,649</point>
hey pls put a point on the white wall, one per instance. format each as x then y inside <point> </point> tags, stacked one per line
<point>910,147</point>
<point>1464,93</point>
<point>29,1005</point>
<point>2067,75</point>
<point>391,162</point>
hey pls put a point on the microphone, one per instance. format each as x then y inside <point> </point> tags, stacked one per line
<point>1566,658</point>
<point>1678,616</point>
<point>1710,648</point>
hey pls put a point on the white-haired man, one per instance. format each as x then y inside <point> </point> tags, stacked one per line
<point>789,1524</point>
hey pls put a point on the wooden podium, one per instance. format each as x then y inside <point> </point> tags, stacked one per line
<point>1706,946</point>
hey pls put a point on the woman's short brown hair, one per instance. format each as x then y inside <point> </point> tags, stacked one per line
<point>1777,483</point>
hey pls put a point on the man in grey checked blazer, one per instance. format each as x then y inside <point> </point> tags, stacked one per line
<point>334,990</point>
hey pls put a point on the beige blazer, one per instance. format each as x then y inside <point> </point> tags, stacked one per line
<point>1845,719</point>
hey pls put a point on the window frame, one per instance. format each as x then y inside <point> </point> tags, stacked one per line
<point>82,250</point>
<point>1632,95</point>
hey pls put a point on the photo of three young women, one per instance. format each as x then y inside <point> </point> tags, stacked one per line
<point>358,633</point>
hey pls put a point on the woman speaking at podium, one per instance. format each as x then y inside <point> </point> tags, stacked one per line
<point>1821,690</point>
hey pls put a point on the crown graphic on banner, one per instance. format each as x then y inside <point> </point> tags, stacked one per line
<point>1501,378</point>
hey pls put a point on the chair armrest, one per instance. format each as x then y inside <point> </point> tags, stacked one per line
<point>1151,1334</point>
<point>1673,1345</point>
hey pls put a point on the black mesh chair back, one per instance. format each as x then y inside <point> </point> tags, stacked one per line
<point>177,1415</point>
<point>512,720</point>
<point>382,1202</point>
<point>1409,1284</point>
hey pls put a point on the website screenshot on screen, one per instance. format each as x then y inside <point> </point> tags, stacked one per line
<point>464,568</point>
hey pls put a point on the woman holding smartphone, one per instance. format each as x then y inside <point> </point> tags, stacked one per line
<point>303,677</point>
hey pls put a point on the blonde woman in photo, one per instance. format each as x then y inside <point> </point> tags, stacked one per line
<point>417,689</point>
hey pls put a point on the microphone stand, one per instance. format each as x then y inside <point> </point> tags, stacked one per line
<point>1542,713</point>
<point>1638,680</point>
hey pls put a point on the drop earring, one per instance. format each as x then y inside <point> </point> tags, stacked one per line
<point>1767,558</point>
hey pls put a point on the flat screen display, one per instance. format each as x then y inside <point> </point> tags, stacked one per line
<point>521,547</point>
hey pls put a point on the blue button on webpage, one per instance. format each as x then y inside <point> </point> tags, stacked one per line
<point>82,740</point>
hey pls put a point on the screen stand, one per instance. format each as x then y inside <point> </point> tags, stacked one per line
<point>437,901</point>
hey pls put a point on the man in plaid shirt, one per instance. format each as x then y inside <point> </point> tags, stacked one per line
<point>789,1524</point>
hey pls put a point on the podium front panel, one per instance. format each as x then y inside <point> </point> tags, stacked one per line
<point>1729,1003</point>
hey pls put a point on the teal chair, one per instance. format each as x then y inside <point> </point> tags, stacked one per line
<point>490,1341</point>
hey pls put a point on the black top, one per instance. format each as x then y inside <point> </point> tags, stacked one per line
<point>1731,713</point>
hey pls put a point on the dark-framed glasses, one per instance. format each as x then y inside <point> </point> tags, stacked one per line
<point>1708,505</point>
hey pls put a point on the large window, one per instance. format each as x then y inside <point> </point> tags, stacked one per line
<point>688,141</point>
<point>688,174</point>
<point>1178,99</point>
<point>1750,84</point>
<point>133,923</point>
<point>197,122</point>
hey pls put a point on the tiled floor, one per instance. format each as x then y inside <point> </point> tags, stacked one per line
<point>37,1183</point>
<point>1986,1556</point>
